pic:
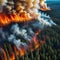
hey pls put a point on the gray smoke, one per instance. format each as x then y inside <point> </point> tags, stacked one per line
<point>17,42</point>
<point>2,34</point>
<point>45,20</point>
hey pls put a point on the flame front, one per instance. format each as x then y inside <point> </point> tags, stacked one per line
<point>13,18</point>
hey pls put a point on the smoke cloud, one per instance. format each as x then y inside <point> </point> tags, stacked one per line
<point>19,6</point>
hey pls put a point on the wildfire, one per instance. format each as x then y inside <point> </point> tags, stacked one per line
<point>22,51</point>
<point>12,57</point>
<point>13,18</point>
<point>22,16</point>
<point>23,11</point>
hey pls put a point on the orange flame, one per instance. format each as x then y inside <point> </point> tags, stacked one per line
<point>6,19</point>
<point>12,56</point>
<point>36,43</point>
<point>20,52</point>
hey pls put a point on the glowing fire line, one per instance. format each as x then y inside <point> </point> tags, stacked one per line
<point>22,51</point>
<point>13,18</point>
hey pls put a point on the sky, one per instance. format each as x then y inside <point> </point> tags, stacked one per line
<point>52,0</point>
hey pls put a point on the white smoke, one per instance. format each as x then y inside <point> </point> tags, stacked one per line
<point>17,42</point>
<point>16,30</point>
<point>2,3</point>
<point>45,20</point>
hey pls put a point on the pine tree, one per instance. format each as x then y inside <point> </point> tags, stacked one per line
<point>26,56</point>
<point>8,57</point>
<point>32,55</point>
